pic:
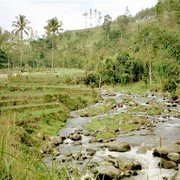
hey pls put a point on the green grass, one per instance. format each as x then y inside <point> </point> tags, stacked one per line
<point>137,88</point>
<point>106,126</point>
<point>101,109</point>
<point>32,103</point>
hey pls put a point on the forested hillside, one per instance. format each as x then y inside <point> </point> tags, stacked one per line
<point>144,47</point>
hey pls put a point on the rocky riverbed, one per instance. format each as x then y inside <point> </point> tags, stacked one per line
<point>151,150</point>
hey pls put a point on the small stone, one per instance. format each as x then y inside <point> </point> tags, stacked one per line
<point>75,137</point>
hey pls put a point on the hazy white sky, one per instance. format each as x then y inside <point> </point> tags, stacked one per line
<point>68,11</point>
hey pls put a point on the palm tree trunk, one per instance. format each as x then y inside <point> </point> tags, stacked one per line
<point>21,50</point>
<point>52,56</point>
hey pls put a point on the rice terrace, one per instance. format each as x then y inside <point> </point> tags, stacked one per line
<point>91,92</point>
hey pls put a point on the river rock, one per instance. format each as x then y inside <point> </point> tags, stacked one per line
<point>128,164</point>
<point>77,143</point>
<point>118,146</point>
<point>63,158</point>
<point>56,140</point>
<point>178,142</point>
<point>160,152</point>
<point>167,164</point>
<point>75,137</point>
<point>90,151</point>
<point>174,157</point>
<point>107,171</point>
<point>48,148</point>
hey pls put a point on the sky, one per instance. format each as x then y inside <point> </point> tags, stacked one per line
<point>70,12</point>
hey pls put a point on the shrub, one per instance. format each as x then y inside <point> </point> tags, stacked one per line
<point>92,78</point>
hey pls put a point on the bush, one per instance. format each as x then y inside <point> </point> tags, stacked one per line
<point>92,79</point>
<point>170,86</point>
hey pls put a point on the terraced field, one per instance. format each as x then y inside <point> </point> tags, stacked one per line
<point>39,103</point>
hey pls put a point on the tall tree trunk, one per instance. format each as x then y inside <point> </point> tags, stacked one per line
<point>150,72</point>
<point>21,49</point>
<point>52,56</point>
<point>100,79</point>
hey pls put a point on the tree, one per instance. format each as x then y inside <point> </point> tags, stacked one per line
<point>3,59</point>
<point>21,27</point>
<point>122,22</point>
<point>53,27</point>
<point>85,15</point>
<point>99,18</point>
<point>90,15</point>
<point>107,25</point>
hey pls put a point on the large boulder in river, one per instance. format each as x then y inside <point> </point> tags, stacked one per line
<point>163,151</point>
<point>174,157</point>
<point>167,164</point>
<point>125,164</point>
<point>118,146</point>
<point>107,171</point>
<point>160,152</point>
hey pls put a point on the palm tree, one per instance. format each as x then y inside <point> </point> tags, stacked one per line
<point>53,27</point>
<point>21,27</point>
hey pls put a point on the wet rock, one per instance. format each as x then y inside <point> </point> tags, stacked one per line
<point>87,134</point>
<point>133,166</point>
<point>131,103</point>
<point>125,164</point>
<point>41,136</point>
<point>78,131</point>
<point>144,134</point>
<point>178,142</point>
<point>90,151</point>
<point>174,148</point>
<point>160,152</point>
<point>118,146</point>
<point>164,178</point>
<point>134,173</point>
<point>111,93</point>
<point>77,143</point>
<point>174,157</point>
<point>48,148</point>
<point>56,140</point>
<point>77,156</point>
<point>84,157</point>
<point>127,174</point>
<point>63,158</point>
<point>68,154</point>
<point>56,152</point>
<point>167,164</point>
<point>75,137</point>
<point>107,171</point>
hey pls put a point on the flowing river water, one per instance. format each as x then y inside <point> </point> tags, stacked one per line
<point>166,126</point>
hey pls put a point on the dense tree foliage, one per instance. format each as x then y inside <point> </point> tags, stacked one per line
<point>144,47</point>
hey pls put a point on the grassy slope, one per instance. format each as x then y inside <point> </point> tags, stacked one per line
<point>29,107</point>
